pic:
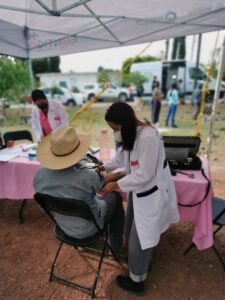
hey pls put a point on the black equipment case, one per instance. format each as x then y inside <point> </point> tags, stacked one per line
<point>181,152</point>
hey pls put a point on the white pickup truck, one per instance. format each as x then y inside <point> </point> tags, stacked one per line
<point>64,95</point>
<point>113,92</point>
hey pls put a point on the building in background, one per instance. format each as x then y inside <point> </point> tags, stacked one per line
<point>70,80</point>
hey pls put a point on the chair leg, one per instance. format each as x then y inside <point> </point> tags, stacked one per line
<point>189,248</point>
<point>219,257</point>
<point>54,261</point>
<point>21,210</point>
<point>99,268</point>
<point>89,289</point>
<point>218,229</point>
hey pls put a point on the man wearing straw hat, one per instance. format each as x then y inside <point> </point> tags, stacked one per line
<point>64,175</point>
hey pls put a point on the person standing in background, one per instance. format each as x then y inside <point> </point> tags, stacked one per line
<point>139,101</point>
<point>181,93</point>
<point>154,82</point>
<point>46,115</point>
<point>172,97</point>
<point>197,99</point>
<point>156,103</point>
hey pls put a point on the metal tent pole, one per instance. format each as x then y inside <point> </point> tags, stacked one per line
<point>31,73</point>
<point>26,35</point>
<point>216,99</point>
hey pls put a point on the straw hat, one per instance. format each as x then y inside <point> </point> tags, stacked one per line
<point>62,148</point>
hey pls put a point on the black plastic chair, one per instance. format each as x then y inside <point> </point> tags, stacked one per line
<point>218,210</point>
<point>218,215</point>
<point>17,135</point>
<point>72,207</point>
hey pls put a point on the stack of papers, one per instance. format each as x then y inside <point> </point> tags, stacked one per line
<point>6,157</point>
<point>7,154</point>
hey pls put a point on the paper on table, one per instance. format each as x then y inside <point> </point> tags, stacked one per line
<point>12,150</point>
<point>7,157</point>
<point>29,146</point>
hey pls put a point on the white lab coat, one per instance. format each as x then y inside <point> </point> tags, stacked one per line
<point>57,116</point>
<point>150,181</point>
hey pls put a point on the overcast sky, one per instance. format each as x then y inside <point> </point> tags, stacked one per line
<point>114,57</point>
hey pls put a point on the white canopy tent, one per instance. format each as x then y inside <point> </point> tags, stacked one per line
<point>43,28</point>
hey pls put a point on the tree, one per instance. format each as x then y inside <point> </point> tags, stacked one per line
<point>131,60</point>
<point>46,65</point>
<point>179,48</point>
<point>14,78</point>
<point>215,63</point>
<point>108,75</point>
<point>54,64</point>
<point>134,78</point>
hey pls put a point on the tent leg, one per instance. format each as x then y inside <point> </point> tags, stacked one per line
<point>31,73</point>
<point>216,99</point>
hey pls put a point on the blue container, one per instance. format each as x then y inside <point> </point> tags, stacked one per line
<point>32,155</point>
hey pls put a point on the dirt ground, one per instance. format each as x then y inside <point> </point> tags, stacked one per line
<point>26,253</point>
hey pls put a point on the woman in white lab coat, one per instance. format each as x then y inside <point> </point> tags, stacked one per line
<point>46,115</point>
<point>152,204</point>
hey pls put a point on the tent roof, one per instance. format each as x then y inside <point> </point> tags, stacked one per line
<point>38,28</point>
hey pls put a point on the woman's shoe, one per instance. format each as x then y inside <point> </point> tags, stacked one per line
<point>126,283</point>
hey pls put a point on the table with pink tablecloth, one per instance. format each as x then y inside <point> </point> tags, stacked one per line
<point>191,191</point>
<point>16,183</point>
<point>16,178</point>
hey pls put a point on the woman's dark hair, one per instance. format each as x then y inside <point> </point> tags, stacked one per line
<point>38,94</point>
<point>173,87</point>
<point>123,114</point>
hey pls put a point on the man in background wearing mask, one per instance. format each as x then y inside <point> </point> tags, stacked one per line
<point>46,115</point>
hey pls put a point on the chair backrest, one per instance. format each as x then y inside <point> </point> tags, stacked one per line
<point>218,210</point>
<point>65,206</point>
<point>17,135</point>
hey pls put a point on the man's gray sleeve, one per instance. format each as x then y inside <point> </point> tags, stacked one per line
<point>96,181</point>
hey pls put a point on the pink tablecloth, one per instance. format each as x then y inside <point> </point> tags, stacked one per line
<point>190,191</point>
<point>16,178</point>
<point>16,182</point>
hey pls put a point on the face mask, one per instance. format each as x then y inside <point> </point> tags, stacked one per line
<point>43,106</point>
<point>117,136</point>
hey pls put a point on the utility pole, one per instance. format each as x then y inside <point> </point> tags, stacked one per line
<point>167,49</point>
<point>193,47</point>
<point>197,60</point>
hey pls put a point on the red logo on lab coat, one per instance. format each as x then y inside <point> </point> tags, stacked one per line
<point>57,118</point>
<point>134,163</point>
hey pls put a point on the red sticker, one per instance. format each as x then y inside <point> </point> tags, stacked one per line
<point>134,163</point>
<point>57,118</point>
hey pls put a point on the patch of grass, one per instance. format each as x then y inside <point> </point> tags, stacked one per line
<point>95,117</point>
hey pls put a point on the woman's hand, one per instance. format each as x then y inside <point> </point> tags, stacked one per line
<point>108,188</point>
<point>100,169</point>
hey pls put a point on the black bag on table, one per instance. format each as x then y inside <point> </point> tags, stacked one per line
<point>181,152</point>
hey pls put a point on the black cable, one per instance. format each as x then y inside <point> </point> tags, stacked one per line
<point>205,196</point>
